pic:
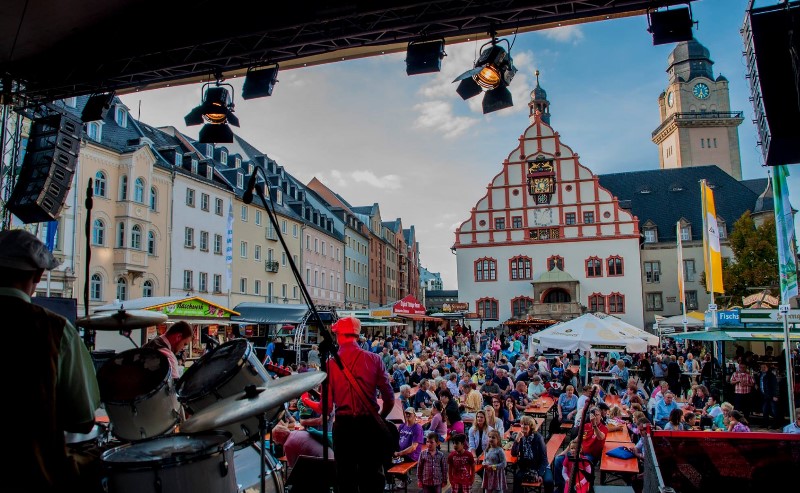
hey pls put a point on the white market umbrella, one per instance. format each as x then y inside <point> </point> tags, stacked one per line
<point>588,333</point>
<point>628,330</point>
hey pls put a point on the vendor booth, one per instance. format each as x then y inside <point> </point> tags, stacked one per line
<point>588,333</point>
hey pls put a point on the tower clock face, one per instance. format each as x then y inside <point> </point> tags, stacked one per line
<point>700,91</point>
<point>670,99</point>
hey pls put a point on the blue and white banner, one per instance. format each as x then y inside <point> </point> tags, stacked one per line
<point>229,247</point>
<point>784,229</point>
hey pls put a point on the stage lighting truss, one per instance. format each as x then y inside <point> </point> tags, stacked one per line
<point>493,72</point>
<point>216,109</point>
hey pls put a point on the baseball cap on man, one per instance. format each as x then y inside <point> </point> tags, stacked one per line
<point>348,326</point>
<point>21,250</point>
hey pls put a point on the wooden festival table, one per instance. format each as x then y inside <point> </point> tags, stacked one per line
<point>625,469</point>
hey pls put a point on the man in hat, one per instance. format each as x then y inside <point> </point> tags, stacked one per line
<point>53,379</point>
<point>359,463</point>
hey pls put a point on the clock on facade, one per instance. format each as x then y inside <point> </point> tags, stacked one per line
<point>700,91</point>
<point>670,99</point>
<point>541,179</point>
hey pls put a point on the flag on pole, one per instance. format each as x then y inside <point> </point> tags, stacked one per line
<point>711,249</point>
<point>681,291</point>
<point>229,248</point>
<point>50,238</point>
<point>784,229</point>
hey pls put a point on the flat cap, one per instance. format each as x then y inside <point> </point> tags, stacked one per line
<point>21,250</point>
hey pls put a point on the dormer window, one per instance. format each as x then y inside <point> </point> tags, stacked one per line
<point>650,235</point>
<point>209,172</point>
<point>223,157</point>
<point>94,131</point>
<point>239,180</point>
<point>266,190</point>
<point>121,116</point>
<point>722,229</point>
<point>686,232</point>
<point>237,163</point>
<point>250,169</point>
<point>279,196</point>
<point>209,150</point>
<point>194,166</point>
<point>178,159</point>
<point>71,102</point>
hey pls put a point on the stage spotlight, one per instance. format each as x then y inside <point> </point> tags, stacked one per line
<point>97,106</point>
<point>493,72</point>
<point>424,57</point>
<point>670,26</point>
<point>259,83</point>
<point>217,110</point>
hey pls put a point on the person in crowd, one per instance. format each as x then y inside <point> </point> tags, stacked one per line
<point>565,409</point>
<point>520,396</point>
<point>605,416</point>
<point>536,389</point>
<point>594,435</point>
<point>723,419</point>
<point>422,399</point>
<point>490,390</point>
<point>707,370</point>
<point>405,396</point>
<point>531,453</point>
<point>398,378</point>
<point>452,384</point>
<point>432,466</point>
<point>479,377</point>
<point>359,463</point>
<point>710,412</point>
<point>479,435</point>
<point>673,376</point>
<point>493,421</point>
<point>172,342</point>
<point>412,437</point>
<point>794,426</point>
<point>646,373</point>
<point>768,385</point>
<point>743,383</point>
<point>597,384</point>
<point>699,399</point>
<point>584,476</point>
<point>417,376</point>
<point>438,423</point>
<point>494,465</point>
<point>298,442</point>
<point>675,421</point>
<point>313,356</point>
<point>472,398</point>
<point>58,385</point>
<point>503,381</point>
<point>460,466</point>
<point>585,400</point>
<point>691,421</point>
<point>621,375</point>
<point>738,423</point>
<point>511,416</point>
<point>664,408</point>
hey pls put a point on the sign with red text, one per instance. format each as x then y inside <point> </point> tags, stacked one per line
<point>409,306</point>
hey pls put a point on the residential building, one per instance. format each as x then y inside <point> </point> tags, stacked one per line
<point>371,216</point>
<point>435,300</point>
<point>429,281</point>
<point>393,238</point>
<point>409,264</point>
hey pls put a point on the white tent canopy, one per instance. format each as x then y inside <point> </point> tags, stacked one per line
<point>627,329</point>
<point>588,333</point>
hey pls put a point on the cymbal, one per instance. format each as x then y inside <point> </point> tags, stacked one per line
<point>121,320</point>
<point>239,406</point>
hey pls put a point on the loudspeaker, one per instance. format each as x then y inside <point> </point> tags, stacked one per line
<point>47,169</point>
<point>671,26</point>
<point>772,40</point>
<point>424,57</point>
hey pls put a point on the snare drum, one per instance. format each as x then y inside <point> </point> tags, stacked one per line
<point>180,462</point>
<point>223,372</point>
<point>248,471</point>
<point>138,393</point>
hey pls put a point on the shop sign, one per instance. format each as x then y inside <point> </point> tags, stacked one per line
<point>455,307</point>
<point>409,306</point>
<point>193,308</point>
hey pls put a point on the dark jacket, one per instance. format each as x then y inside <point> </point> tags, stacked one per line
<point>531,453</point>
<point>768,384</point>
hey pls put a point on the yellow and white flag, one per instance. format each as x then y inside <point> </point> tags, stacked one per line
<point>711,248</point>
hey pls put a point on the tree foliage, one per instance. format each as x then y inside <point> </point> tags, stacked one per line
<point>755,257</point>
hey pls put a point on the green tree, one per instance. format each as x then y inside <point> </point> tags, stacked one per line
<point>755,258</point>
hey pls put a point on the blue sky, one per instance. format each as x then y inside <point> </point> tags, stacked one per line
<point>374,134</point>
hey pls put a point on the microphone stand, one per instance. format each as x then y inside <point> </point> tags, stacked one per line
<point>572,485</point>
<point>328,348</point>
<point>88,335</point>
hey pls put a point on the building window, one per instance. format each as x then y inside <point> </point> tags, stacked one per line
<point>258,218</point>
<point>188,277</point>
<point>520,306</point>
<point>99,233</point>
<point>202,282</point>
<point>122,289</point>
<point>121,235</point>
<point>209,150</point>
<point>121,116</point>
<point>594,267</point>
<point>204,241</point>
<point>223,157</point>
<point>294,230</point>
<point>485,269</point>
<point>96,287</point>
<point>217,283</point>
<point>243,285</point>
<point>324,250</point>
<point>283,259</point>
<point>244,213</point>
<point>237,163</point>
<point>520,268</point>
<point>71,102</point>
<point>284,227</point>
<point>722,229</point>
<point>689,270</point>
<point>178,159</point>
<point>93,131</point>
<point>190,197</point>
<point>100,184</point>
<point>123,187</point>
<point>316,245</point>
<point>588,217</point>
<point>138,190</point>
<point>499,223</point>
<point>257,287</point>
<point>218,207</point>
<point>151,243</point>
<point>516,222</point>
<point>487,308</point>
<point>239,180</point>
<point>153,198</point>
<point>147,289</point>
<point>136,237</point>
<point>194,166</point>
<point>569,218</point>
<point>615,265</point>
<point>686,233</point>
<point>218,244</point>
<point>555,261</point>
<point>650,235</point>
<point>188,237</point>
<point>652,272</point>
<point>243,249</point>
<point>691,300</point>
<point>204,201</point>
<point>616,303</point>
<point>257,253</point>
<point>654,302</point>
<point>597,303</point>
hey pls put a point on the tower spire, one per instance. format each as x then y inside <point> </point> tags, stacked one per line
<point>539,102</point>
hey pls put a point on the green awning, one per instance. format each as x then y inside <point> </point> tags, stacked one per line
<point>735,335</point>
<point>702,335</point>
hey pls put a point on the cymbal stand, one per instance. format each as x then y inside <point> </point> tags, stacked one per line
<point>88,334</point>
<point>264,426</point>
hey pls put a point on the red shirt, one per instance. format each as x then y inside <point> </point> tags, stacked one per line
<point>368,372</point>
<point>591,444</point>
<point>461,467</point>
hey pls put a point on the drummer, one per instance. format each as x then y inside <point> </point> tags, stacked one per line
<point>171,343</point>
<point>53,378</point>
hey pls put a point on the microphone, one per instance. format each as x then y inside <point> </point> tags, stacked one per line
<point>247,198</point>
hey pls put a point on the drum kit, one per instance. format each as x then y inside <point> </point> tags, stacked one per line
<point>231,402</point>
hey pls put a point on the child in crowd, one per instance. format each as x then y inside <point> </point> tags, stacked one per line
<point>461,465</point>
<point>432,466</point>
<point>571,460</point>
<point>494,466</point>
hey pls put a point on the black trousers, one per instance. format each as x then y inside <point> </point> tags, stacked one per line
<point>359,454</point>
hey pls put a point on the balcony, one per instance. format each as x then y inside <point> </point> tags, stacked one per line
<point>270,234</point>
<point>725,118</point>
<point>129,208</point>
<point>128,259</point>
<point>271,266</point>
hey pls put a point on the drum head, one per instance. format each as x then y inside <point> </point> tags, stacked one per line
<point>132,374</point>
<point>212,370</point>
<point>168,450</point>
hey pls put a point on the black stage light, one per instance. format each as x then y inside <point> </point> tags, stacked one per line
<point>217,110</point>
<point>259,83</point>
<point>670,26</point>
<point>493,72</point>
<point>97,106</point>
<point>424,57</point>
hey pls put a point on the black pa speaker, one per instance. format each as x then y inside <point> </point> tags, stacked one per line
<point>772,49</point>
<point>47,169</point>
<point>424,57</point>
<point>671,26</point>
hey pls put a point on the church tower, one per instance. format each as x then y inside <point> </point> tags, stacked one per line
<point>697,126</point>
<point>539,102</point>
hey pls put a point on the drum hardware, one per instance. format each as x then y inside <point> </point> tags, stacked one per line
<point>121,320</point>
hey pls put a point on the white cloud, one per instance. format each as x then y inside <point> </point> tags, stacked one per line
<point>387,182</point>
<point>564,34</point>
<point>438,115</point>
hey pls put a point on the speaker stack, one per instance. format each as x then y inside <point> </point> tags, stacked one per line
<point>47,169</point>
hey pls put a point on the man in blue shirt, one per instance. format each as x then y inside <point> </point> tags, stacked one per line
<point>663,408</point>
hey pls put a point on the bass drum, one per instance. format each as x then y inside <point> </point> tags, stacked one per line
<point>221,373</point>
<point>179,463</point>
<point>248,471</point>
<point>138,393</point>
